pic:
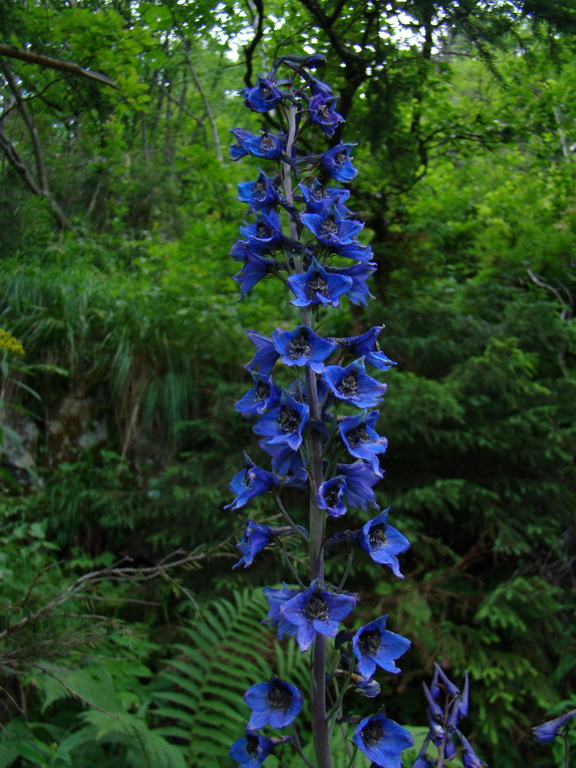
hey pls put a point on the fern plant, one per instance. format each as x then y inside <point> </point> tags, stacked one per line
<point>197,696</point>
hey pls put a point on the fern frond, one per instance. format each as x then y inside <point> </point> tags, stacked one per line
<point>225,653</point>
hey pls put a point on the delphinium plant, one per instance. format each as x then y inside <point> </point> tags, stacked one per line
<point>315,404</point>
<point>447,706</point>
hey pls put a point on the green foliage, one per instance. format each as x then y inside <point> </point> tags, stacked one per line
<point>225,652</point>
<point>475,285</point>
<point>106,729</point>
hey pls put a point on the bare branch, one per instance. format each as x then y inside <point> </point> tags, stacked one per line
<point>11,52</point>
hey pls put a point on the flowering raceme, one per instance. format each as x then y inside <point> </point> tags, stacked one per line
<point>319,430</point>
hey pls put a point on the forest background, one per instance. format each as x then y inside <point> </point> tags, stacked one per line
<point>117,212</point>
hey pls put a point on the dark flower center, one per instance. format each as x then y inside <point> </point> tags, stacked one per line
<point>251,744</point>
<point>331,497</point>
<point>320,194</point>
<point>267,142</point>
<point>259,190</point>
<point>377,535</point>
<point>300,345</point>
<point>349,384</point>
<point>263,231</point>
<point>357,435</point>
<point>369,642</point>
<point>372,733</point>
<point>279,696</point>
<point>262,391</point>
<point>329,226</point>
<point>265,91</point>
<point>316,284</point>
<point>316,608</point>
<point>340,158</point>
<point>288,420</point>
<point>324,110</point>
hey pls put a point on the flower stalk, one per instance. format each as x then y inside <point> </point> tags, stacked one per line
<point>303,233</point>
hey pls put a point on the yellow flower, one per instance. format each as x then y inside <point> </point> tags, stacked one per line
<point>10,343</point>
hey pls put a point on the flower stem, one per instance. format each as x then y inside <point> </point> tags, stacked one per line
<point>317,517</point>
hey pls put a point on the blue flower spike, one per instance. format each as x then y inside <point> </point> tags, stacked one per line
<point>275,703</point>
<point>301,234</point>
<point>382,740</point>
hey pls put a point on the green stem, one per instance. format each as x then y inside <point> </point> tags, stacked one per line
<point>317,517</point>
<point>290,566</point>
<point>289,520</point>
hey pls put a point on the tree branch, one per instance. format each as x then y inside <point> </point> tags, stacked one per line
<point>11,52</point>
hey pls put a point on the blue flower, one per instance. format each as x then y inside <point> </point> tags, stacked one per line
<point>366,687</point>
<point>358,292</point>
<point>360,478</point>
<point>276,598</point>
<point>256,537</point>
<point>319,198</point>
<point>316,286</point>
<point>383,543</point>
<point>302,347</point>
<point>322,112</point>
<point>264,146</point>
<point>319,87</point>
<point>547,732</point>
<point>360,439</point>
<point>373,645</point>
<point>262,97</point>
<point>435,711</point>
<point>382,740</point>
<point>250,482</point>
<point>423,762</point>
<point>265,356</point>
<point>316,610</point>
<point>255,268</point>
<point>251,750</point>
<point>261,195</point>
<point>330,496</point>
<point>366,346</point>
<point>331,229</point>
<point>263,396</point>
<point>463,699</point>
<point>266,234</point>
<point>353,385</point>
<point>275,703</point>
<point>337,164</point>
<point>285,423</point>
<point>469,758</point>
<point>451,689</point>
<point>285,461</point>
